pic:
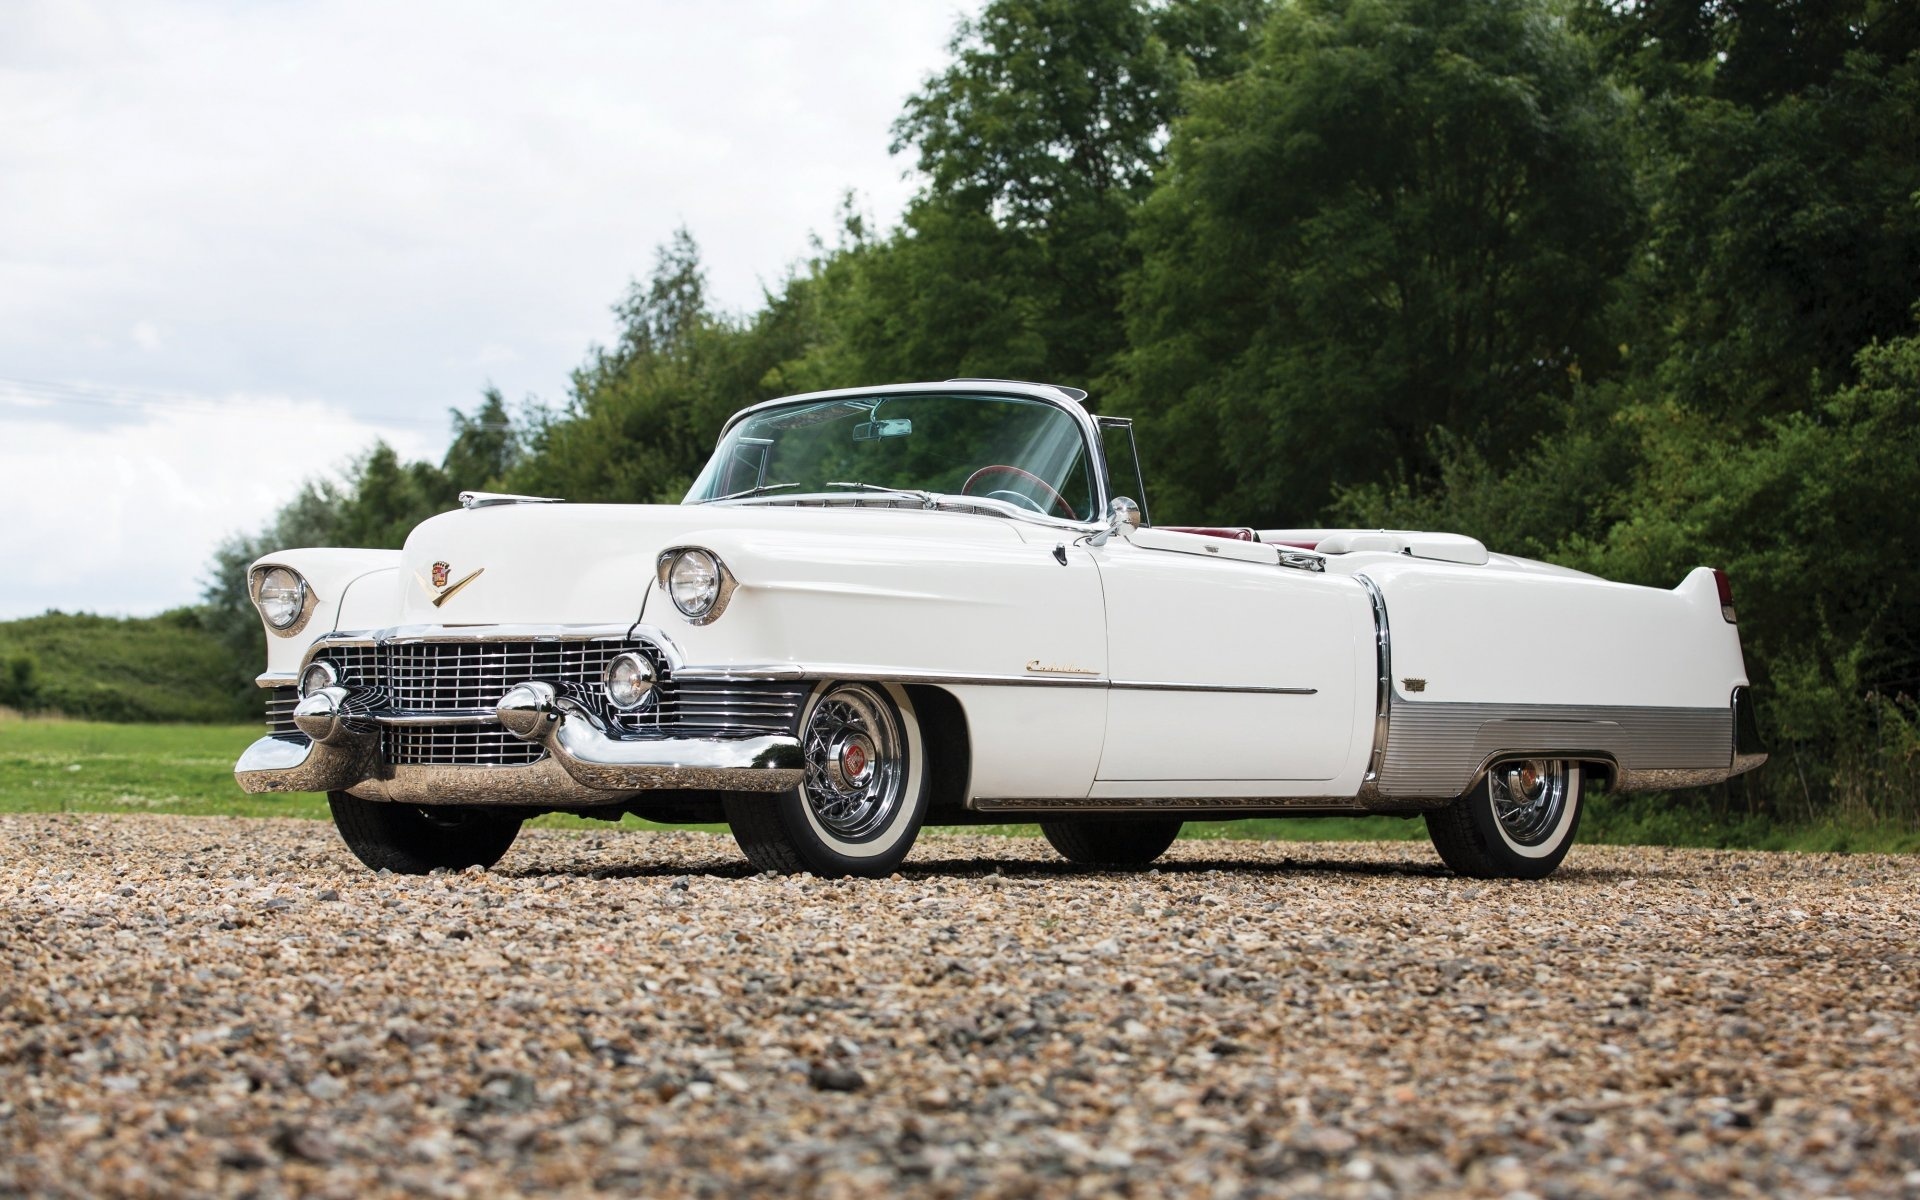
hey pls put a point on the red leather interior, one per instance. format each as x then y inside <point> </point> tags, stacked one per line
<point>1232,534</point>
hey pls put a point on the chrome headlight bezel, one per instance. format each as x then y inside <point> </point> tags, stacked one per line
<point>629,679</point>
<point>304,599</point>
<point>722,586</point>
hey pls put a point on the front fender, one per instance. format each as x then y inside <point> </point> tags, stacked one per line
<point>332,575</point>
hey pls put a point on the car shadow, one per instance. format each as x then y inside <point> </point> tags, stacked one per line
<point>979,868</point>
<point>975,869</point>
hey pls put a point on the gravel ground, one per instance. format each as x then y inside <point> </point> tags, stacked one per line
<point>228,1007</point>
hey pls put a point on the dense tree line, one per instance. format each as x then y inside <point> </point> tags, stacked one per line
<point>1623,284</point>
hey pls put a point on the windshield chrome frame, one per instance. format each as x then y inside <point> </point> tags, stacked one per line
<point>1045,393</point>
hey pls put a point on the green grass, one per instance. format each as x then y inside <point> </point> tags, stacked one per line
<point>51,765</point>
<point>164,668</point>
<point>90,766</point>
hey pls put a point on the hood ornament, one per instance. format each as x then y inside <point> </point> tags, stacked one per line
<point>440,591</point>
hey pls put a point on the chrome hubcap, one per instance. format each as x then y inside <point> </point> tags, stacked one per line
<point>1529,798</point>
<point>856,762</point>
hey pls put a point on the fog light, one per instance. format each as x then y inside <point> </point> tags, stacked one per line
<point>319,674</point>
<point>629,679</point>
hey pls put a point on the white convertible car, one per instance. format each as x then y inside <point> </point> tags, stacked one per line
<point>935,603</point>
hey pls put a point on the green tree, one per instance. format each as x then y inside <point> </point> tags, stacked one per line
<point>1037,143</point>
<point>644,413</point>
<point>1404,216</point>
<point>1781,166</point>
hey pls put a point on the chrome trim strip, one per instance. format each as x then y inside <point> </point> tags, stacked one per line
<point>1383,689</point>
<point>463,716</point>
<point>277,679</point>
<point>752,672</point>
<point>1195,806</point>
<point>1135,685</point>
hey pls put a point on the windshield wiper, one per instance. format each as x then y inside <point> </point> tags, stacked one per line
<point>927,498</point>
<point>752,491</point>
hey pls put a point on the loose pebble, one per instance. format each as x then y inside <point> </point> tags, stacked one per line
<point>237,1008</point>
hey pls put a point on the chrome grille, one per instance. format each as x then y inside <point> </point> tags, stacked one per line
<point>470,676</point>
<point>280,702</point>
<point>466,745</point>
<point>728,707</point>
<point>452,676</point>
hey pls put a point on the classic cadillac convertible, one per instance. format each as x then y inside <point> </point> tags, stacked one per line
<point>941,603</point>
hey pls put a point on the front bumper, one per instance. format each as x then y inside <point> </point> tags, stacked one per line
<point>584,764</point>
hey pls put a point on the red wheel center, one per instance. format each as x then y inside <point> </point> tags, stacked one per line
<point>853,760</point>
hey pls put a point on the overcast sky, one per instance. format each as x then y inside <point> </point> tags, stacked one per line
<point>240,241</point>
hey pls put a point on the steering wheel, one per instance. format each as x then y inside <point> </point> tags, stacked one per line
<point>1059,502</point>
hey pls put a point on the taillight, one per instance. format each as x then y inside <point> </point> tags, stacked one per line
<point>1726,595</point>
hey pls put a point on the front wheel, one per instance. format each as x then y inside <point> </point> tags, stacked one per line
<point>411,840</point>
<point>864,796</point>
<point>1111,843</point>
<point>1517,823</point>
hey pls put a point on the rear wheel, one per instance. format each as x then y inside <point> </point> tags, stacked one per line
<point>1517,823</point>
<point>864,796</point>
<point>1113,843</point>
<point>413,840</point>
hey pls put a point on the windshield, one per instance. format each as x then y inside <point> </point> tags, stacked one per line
<point>1028,453</point>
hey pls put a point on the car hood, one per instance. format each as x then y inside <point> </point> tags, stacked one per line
<point>594,564</point>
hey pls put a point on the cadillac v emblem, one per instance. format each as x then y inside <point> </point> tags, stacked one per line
<point>440,591</point>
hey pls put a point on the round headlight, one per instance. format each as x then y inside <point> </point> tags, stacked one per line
<point>693,581</point>
<point>629,680</point>
<point>282,595</point>
<point>318,675</point>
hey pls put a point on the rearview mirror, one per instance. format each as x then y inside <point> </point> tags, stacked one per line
<point>892,427</point>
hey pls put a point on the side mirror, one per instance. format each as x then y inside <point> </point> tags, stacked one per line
<point>1123,514</point>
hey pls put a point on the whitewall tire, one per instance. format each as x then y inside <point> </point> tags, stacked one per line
<point>864,797</point>
<point>1518,822</point>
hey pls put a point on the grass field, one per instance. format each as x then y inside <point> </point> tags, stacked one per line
<point>51,765</point>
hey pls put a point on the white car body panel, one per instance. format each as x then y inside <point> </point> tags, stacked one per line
<point>1093,668</point>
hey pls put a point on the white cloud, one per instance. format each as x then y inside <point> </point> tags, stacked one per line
<point>122,517</point>
<point>388,207</point>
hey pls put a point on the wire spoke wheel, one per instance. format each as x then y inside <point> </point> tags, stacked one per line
<point>1517,822</point>
<point>1529,797</point>
<point>863,791</point>
<point>856,762</point>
